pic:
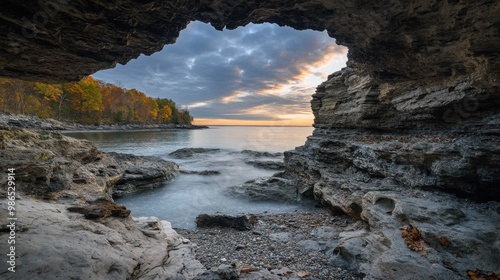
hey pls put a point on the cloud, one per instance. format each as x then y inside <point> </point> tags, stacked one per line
<point>255,72</point>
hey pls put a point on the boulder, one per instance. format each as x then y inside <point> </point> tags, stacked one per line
<point>243,222</point>
<point>266,164</point>
<point>200,172</point>
<point>108,248</point>
<point>101,208</point>
<point>49,164</point>
<point>191,152</point>
<point>274,188</point>
<point>142,173</point>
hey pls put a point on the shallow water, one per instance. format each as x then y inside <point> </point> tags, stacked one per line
<point>189,195</point>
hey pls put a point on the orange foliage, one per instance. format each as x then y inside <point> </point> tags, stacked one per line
<point>88,101</point>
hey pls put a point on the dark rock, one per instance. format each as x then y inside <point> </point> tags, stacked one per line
<point>202,172</point>
<point>191,152</point>
<point>101,208</point>
<point>240,247</point>
<point>266,164</point>
<point>261,154</point>
<point>271,189</point>
<point>244,222</point>
<point>142,173</point>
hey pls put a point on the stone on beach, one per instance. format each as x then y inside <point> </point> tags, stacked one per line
<point>243,222</point>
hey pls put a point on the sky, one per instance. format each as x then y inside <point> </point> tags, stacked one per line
<point>260,74</point>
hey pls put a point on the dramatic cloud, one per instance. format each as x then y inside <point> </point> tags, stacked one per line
<point>258,72</point>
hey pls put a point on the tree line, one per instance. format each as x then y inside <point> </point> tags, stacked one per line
<point>88,101</point>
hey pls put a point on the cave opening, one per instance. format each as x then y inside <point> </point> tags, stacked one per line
<point>259,74</point>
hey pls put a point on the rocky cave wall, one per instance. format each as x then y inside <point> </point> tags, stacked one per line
<point>410,126</point>
<point>417,107</point>
<point>395,40</point>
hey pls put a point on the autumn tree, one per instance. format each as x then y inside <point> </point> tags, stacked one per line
<point>15,95</point>
<point>50,93</point>
<point>88,101</point>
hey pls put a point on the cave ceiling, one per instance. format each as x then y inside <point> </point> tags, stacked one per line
<point>62,40</point>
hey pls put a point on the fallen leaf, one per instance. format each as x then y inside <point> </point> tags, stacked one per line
<point>247,270</point>
<point>303,274</point>
<point>476,274</point>
<point>449,266</point>
<point>444,241</point>
<point>413,239</point>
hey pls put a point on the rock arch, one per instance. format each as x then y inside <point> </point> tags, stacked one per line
<point>64,40</point>
<point>414,117</point>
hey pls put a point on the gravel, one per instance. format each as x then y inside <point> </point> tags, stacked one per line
<point>292,242</point>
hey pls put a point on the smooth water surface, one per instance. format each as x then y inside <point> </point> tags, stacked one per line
<point>189,195</point>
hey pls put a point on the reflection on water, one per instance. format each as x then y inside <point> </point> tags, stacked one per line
<point>190,194</point>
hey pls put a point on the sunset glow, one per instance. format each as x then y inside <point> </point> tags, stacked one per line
<point>255,75</point>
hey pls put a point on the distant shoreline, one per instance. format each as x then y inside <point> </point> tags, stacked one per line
<point>34,122</point>
<point>130,127</point>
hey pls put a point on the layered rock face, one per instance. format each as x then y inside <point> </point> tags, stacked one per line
<point>371,135</point>
<point>419,153</point>
<point>52,164</point>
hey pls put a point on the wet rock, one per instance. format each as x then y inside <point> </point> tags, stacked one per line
<point>142,173</point>
<point>200,172</point>
<point>50,164</point>
<point>191,152</point>
<point>271,189</point>
<point>244,222</point>
<point>261,154</point>
<point>266,164</point>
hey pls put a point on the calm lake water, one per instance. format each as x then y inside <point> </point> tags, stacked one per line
<point>189,195</point>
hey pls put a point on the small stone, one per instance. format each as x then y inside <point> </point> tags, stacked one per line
<point>223,260</point>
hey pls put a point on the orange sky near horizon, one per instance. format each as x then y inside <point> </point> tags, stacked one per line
<point>229,122</point>
<point>283,116</point>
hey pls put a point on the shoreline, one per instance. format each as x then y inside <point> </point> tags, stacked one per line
<point>106,128</point>
<point>35,122</point>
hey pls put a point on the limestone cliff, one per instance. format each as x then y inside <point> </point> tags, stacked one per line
<point>398,153</point>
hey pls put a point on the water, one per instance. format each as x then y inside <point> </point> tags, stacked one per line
<point>189,195</point>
